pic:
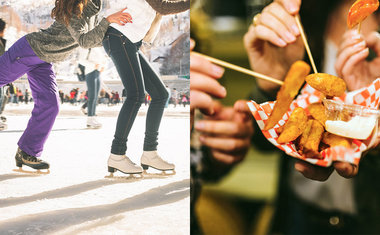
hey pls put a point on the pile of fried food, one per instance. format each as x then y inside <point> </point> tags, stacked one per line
<point>306,127</point>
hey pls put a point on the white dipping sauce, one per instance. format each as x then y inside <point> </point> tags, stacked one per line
<point>357,128</point>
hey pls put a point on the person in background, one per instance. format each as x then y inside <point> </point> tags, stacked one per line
<point>26,96</point>
<point>175,97</point>
<point>94,63</point>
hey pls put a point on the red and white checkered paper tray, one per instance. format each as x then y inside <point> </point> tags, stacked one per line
<point>368,96</point>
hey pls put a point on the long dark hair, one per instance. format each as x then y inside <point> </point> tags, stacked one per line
<point>65,9</point>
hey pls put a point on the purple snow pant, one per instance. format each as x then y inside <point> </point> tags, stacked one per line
<point>17,61</point>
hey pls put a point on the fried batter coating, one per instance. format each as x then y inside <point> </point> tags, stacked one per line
<point>335,140</point>
<point>292,83</point>
<point>360,10</point>
<point>327,84</point>
<point>317,111</point>
<point>310,139</point>
<point>294,126</point>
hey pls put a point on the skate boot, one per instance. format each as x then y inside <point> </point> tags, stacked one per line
<point>22,158</point>
<point>83,110</point>
<point>3,126</point>
<point>93,123</point>
<point>123,164</point>
<point>3,118</point>
<point>151,159</point>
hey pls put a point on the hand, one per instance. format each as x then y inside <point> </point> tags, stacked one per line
<point>274,43</point>
<point>203,84</point>
<point>351,64</point>
<point>120,18</point>
<point>227,132</point>
<point>319,173</point>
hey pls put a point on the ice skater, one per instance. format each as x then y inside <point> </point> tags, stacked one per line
<point>122,44</point>
<point>76,24</point>
<point>94,66</point>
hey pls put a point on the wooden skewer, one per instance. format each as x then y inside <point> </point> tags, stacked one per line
<point>240,69</point>
<point>303,36</point>
<point>359,27</point>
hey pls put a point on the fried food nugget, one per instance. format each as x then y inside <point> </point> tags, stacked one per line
<point>327,84</point>
<point>360,10</point>
<point>335,140</point>
<point>310,139</point>
<point>317,111</point>
<point>294,126</point>
<point>292,83</point>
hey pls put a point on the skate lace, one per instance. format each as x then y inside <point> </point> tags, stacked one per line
<point>31,158</point>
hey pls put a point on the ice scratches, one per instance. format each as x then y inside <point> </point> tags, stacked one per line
<point>90,225</point>
<point>57,193</point>
<point>14,176</point>
<point>53,221</point>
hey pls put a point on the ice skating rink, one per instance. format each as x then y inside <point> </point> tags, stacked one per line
<point>75,198</point>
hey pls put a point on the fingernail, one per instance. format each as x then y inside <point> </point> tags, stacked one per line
<point>289,37</point>
<point>223,91</point>
<point>365,51</point>
<point>292,8</point>
<point>281,42</point>
<point>356,37</point>
<point>202,138</point>
<point>200,125</point>
<point>217,70</point>
<point>359,45</point>
<point>295,29</point>
<point>192,43</point>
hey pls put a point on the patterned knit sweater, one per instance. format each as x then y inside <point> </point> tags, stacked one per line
<point>57,42</point>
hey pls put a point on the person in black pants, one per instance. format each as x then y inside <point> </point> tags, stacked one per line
<point>122,44</point>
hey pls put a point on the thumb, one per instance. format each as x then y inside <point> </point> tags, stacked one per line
<point>242,108</point>
<point>373,42</point>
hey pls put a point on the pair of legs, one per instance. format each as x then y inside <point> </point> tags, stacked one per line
<point>20,59</point>
<point>93,88</point>
<point>137,76</point>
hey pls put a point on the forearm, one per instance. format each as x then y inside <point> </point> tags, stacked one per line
<point>90,39</point>
<point>167,7</point>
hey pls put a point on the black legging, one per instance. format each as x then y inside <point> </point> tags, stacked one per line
<point>137,76</point>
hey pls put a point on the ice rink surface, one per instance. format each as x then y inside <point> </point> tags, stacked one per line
<point>76,198</point>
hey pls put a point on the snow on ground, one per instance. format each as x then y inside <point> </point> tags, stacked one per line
<point>75,198</point>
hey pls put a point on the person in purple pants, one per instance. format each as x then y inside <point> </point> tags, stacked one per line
<point>76,24</point>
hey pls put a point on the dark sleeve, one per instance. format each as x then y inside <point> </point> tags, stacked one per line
<point>167,7</point>
<point>206,168</point>
<point>90,39</point>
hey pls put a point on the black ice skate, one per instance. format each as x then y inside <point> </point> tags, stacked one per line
<point>23,158</point>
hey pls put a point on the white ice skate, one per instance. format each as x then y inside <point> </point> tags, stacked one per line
<point>152,159</point>
<point>93,123</point>
<point>123,164</point>
<point>3,126</point>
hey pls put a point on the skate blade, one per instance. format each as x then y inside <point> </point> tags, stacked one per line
<point>36,172</point>
<point>162,174</point>
<point>137,176</point>
<point>93,128</point>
